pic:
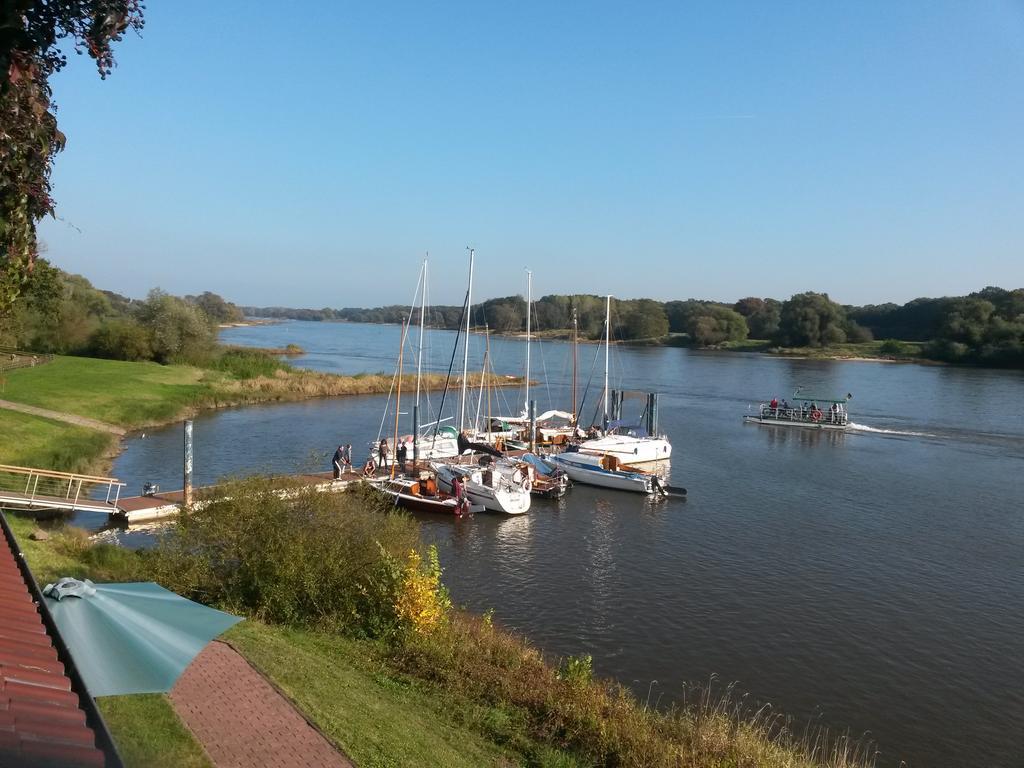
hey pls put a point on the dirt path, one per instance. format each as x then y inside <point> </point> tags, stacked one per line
<point>242,720</point>
<point>69,418</point>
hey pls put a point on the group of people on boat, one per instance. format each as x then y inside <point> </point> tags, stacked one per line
<point>804,412</point>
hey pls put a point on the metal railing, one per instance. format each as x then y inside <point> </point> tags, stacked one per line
<point>29,486</point>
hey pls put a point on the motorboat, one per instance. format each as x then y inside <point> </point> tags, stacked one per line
<point>807,411</point>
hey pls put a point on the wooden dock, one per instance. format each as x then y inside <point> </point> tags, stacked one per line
<point>165,504</point>
<point>31,489</point>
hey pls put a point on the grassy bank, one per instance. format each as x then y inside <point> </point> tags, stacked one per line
<point>31,441</point>
<point>464,693</point>
<point>135,395</point>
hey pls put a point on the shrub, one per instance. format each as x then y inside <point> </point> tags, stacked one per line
<point>422,600</point>
<point>892,347</point>
<point>289,554</point>
<point>121,339</point>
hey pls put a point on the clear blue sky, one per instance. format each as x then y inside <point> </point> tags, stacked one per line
<point>307,154</point>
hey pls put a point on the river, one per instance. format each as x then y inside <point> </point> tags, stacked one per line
<point>870,581</point>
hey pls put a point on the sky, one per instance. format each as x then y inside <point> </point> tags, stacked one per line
<point>312,157</point>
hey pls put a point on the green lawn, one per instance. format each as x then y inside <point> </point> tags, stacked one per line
<point>376,718</point>
<point>149,734</point>
<point>31,441</point>
<point>123,393</point>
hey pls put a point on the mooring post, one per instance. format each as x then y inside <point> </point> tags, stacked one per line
<point>188,463</point>
<point>533,426</point>
<point>415,435</point>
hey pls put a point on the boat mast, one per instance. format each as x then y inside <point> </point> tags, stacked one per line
<point>487,361</point>
<point>465,349</point>
<point>607,342</point>
<point>423,315</point>
<point>529,302</point>
<point>575,345</point>
<point>398,401</point>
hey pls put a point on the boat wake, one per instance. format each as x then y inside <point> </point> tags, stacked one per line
<point>879,431</point>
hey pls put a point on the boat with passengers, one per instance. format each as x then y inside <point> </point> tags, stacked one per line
<point>809,411</point>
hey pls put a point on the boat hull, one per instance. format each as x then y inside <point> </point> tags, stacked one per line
<point>631,450</point>
<point>589,474</point>
<point>507,502</point>
<point>773,422</point>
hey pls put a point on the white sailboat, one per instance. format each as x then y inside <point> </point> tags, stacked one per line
<point>625,443</point>
<point>441,442</point>
<point>502,485</point>
<point>605,472</point>
<point>498,487</point>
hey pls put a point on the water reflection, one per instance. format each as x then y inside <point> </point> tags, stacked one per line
<point>804,437</point>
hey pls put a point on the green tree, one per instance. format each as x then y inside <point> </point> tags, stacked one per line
<point>762,316</point>
<point>31,35</point>
<point>216,308</point>
<point>121,338</point>
<point>645,319</point>
<point>811,320</point>
<point>706,323</point>
<point>177,329</point>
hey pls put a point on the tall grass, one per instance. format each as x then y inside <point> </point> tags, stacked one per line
<point>600,722</point>
<point>245,363</point>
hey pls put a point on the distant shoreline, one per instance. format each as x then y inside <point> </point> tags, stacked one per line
<point>867,352</point>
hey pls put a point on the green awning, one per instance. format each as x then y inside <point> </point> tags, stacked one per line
<point>131,638</point>
<point>798,395</point>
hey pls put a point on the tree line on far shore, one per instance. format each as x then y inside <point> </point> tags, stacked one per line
<point>63,313</point>
<point>985,327</point>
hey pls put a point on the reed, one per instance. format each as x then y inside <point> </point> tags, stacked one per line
<point>298,384</point>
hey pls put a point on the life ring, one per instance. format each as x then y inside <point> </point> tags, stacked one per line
<point>816,416</point>
<point>526,485</point>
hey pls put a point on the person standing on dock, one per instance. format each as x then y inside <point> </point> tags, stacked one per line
<point>382,453</point>
<point>337,461</point>
<point>346,458</point>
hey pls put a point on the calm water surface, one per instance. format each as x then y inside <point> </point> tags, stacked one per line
<point>872,580</point>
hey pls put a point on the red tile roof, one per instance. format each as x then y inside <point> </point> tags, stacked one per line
<point>44,717</point>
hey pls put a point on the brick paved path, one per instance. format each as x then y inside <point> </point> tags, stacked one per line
<point>242,721</point>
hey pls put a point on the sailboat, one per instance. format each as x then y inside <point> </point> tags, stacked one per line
<point>629,444</point>
<point>604,471</point>
<point>424,444</point>
<point>553,426</point>
<point>499,484</point>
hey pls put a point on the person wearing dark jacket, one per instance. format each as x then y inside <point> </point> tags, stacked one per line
<point>338,461</point>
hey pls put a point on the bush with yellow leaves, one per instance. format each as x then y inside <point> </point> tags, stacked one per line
<point>423,601</point>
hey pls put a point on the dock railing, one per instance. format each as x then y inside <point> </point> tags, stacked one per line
<point>44,488</point>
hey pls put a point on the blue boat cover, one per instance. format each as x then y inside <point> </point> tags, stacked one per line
<point>537,463</point>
